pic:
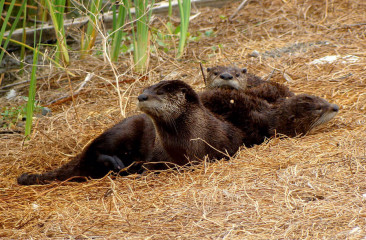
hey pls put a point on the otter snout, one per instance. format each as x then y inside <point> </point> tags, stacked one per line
<point>335,108</point>
<point>142,97</point>
<point>226,76</point>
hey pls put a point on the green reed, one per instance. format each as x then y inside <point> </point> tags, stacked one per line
<point>117,30</point>
<point>88,39</point>
<point>56,10</point>
<point>141,41</point>
<point>185,12</point>
<point>5,23</point>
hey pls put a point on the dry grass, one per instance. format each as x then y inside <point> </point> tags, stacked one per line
<point>310,187</point>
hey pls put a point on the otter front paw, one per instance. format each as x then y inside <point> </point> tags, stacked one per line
<point>113,162</point>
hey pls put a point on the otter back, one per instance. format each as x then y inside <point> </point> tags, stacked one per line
<point>259,120</point>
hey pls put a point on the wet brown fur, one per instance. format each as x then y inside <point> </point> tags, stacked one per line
<point>126,143</point>
<point>259,120</point>
<point>238,78</point>
<point>130,144</point>
<point>187,130</point>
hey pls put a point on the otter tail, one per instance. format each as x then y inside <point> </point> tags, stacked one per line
<point>66,171</point>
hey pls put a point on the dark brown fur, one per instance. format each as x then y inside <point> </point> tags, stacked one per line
<point>128,142</point>
<point>300,114</point>
<point>259,120</point>
<point>238,78</point>
<point>186,129</point>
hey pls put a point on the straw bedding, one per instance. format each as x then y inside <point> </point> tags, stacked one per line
<point>308,187</point>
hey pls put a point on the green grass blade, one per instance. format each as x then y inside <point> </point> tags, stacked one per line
<point>141,37</point>
<point>24,38</point>
<point>90,34</point>
<point>59,9</point>
<point>185,12</point>
<point>7,16</point>
<point>60,32</point>
<point>31,95</point>
<point>118,33</point>
<point>14,24</point>
<point>2,2</point>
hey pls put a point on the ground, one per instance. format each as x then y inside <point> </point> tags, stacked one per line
<point>292,188</point>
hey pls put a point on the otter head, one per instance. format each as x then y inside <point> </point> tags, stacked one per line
<point>226,77</point>
<point>306,112</point>
<point>167,100</point>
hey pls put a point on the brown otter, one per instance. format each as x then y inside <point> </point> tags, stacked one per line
<point>124,145</point>
<point>299,114</point>
<point>187,130</point>
<point>132,144</point>
<point>259,120</point>
<point>229,77</point>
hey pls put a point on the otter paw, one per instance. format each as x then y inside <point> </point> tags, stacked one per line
<point>113,162</point>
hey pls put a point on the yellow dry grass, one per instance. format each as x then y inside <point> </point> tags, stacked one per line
<point>294,188</point>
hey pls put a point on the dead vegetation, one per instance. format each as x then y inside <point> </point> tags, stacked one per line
<point>292,188</point>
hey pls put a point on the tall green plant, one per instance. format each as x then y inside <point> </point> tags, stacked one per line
<point>185,12</point>
<point>31,95</point>
<point>88,39</point>
<point>24,38</point>
<point>140,36</point>
<point>56,10</point>
<point>117,34</point>
<point>32,87</point>
<point>6,21</point>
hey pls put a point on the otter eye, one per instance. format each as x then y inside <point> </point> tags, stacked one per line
<point>237,74</point>
<point>319,109</point>
<point>159,92</point>
<point>216,73</point>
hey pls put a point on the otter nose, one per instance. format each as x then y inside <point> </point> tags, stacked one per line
<point>142,97</point>
<point>335,107</point>
<point>226,76</point>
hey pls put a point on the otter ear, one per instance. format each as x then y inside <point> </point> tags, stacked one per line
<point>189,94</point>
<point>244,70</point>
<point>291,118</point>
<point>209,69</point>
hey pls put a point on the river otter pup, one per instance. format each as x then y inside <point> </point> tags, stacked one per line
<point>132,143</point>
<point>229,77</point>
<point>300,114</point>
<point>187,130</point>
<point>125,145</point>
<point>259,120</point>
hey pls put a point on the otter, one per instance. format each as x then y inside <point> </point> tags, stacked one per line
<point>230,77</point>
<point>131,146</point>
<point>187,130</point>
<point>259,119</point>
<point>299,114</point>
<point>120,149</point>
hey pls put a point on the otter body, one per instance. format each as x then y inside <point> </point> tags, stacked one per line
<point>186,129</point>
<point>130,141</point>
<point>229,77</point>
<point>133,144</point>
<point>180,127</point>
<point>259,120</point>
